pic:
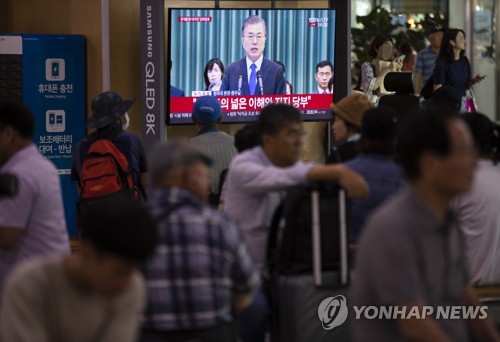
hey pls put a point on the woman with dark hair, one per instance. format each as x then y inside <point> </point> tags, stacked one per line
<point>372,73</point>
<point>477,211</point>
<point>214,70</point>
<point>452,67</point>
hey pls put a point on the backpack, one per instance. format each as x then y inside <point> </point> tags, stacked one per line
<point>105,171</point>
<point>289,246</point>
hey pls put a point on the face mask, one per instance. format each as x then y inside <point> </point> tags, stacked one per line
<point>127,122</point>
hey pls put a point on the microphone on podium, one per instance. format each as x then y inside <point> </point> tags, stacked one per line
<point>240,83</point>
<point>261,85</point>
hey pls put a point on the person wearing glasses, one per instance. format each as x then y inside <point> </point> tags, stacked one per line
<point>324,73</point>
<point>254,74</point>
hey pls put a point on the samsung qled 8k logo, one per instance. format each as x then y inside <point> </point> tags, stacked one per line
<point>332,312</point>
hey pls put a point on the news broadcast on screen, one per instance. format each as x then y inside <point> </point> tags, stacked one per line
<point>250,58</point>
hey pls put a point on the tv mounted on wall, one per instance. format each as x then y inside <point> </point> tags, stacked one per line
<point>298,38</point>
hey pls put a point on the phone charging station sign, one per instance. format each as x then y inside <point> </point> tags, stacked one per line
<point>53,87</point>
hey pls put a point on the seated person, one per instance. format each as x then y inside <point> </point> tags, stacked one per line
<point>202,271</point>
<point>372,73</point>
<point>96,294</point>
<point>346,127</point>
<point>478,211</point>
<point>375,164</point>
<point>217,144</point>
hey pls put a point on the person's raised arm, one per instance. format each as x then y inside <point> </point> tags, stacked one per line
<point>477,79</point>
<point>393,66</point>
<point>354,184</point>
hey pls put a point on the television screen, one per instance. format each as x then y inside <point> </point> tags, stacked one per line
<point>250,58</point>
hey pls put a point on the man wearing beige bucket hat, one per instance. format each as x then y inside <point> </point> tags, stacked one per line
<point>346,126</point>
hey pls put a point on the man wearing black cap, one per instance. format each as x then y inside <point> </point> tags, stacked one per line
<point>109,120</point>
<point>218,145</point>
<point>426,58</point>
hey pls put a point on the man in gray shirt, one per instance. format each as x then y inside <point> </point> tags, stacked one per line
<point>411,253</point>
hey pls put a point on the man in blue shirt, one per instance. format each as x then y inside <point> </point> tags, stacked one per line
<point>426,58</point>
<point>375,164</point>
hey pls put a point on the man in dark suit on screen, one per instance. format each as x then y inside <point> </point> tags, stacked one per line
<point>174,91</point>
<point>254,74</point>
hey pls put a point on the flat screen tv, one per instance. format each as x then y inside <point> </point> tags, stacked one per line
<point>248,58</point>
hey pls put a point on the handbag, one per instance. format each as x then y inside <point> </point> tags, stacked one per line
<point>470,101</point>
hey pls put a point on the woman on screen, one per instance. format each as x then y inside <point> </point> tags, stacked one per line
<point>214,70</point>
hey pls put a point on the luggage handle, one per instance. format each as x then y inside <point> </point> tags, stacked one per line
<point>316,238</point>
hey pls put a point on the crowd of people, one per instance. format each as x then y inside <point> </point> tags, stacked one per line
<point>254,74</point>
<point>177,249</point>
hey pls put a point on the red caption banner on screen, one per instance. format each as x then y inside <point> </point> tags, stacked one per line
<point>305,102</point>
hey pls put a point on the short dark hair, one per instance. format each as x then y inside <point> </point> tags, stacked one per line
<point>323,64</point>
<point>16,114</point>
<point>378,131</point>
<point>377,42</point>
<point>486,135</point>
<point>246,138</point>
<point>275,117</point>
<point>251,20</point>
<point>209,66</point>
<point>119,226</point>
<point>421,132</point>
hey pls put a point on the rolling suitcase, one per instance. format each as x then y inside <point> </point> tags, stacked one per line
<point>309,303</point>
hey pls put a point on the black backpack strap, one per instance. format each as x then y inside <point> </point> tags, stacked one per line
<point>272,238</point>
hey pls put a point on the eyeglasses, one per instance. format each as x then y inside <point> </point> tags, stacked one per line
<point>251,37</point>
